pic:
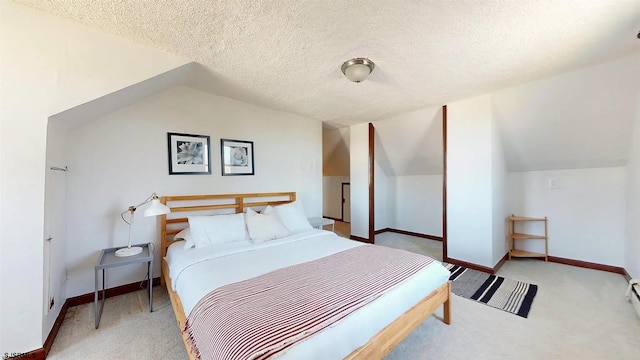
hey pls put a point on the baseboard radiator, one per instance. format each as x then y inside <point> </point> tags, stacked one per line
<point>633,294</point>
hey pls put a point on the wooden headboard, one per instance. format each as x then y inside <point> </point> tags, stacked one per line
<point>186,205</point>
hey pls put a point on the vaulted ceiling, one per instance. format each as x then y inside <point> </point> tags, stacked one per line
<point>563,74</point>
<point>286,54</point>
<point>579,119</point>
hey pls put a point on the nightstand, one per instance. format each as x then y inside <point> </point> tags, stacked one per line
<point>321,222</point>
<point>108,259</point>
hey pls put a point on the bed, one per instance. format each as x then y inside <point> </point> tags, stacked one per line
<point>203,278</point>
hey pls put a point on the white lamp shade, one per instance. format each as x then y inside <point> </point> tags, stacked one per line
<point>357,72</point>
<point>156,208</point>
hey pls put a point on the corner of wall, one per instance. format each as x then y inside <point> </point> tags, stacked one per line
<point>470,154</point>
<point>499,193</point>
<point>632,246</point>
<point>359,165</point>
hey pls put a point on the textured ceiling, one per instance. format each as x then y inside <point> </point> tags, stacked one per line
<point>286,54</point>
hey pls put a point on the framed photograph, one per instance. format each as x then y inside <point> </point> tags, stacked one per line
<point>237,157</point>
<point>188,154</point>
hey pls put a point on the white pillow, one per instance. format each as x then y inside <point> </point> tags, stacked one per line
<point>217,229</point>
<point>292,216</point>
<point>185,235</point>
<point>265,226</point>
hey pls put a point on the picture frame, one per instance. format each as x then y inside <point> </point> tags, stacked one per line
<point>236,157</point>
<point>189,154</point>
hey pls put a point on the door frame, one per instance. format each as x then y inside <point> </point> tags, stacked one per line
<point>342,204</point>
<point>445,258</point>
<point>444,184</point>
<point>372,233</point>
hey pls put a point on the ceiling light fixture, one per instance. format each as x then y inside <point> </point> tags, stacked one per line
<point>357,69</point>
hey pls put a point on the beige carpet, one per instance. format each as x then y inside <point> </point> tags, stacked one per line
<point>414,244</point>
<point>577,314</point>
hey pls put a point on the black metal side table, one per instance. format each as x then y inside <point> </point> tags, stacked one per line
<point>108,259</point>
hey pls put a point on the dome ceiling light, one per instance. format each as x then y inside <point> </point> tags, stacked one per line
<point>357,69</point>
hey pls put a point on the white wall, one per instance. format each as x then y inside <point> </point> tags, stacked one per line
<point>632,244</point>
<point>469,181</point>
<point>55,224</point>
<point>48,65</point>
<point>409,153</point>
<point>499,194</point>
<point>418,204</point>
<point>383,198</point>
<point>578,119</point>
<point>332,196</point>
<point>359,164</point>
<point>586,212</point>
<point>124,155</point>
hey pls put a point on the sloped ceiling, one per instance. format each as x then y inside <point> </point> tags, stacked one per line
<point>185,75</point>
<point>286,54</point>
<point>410,144</point>
<point>580,119</point>
<point>336,152</point>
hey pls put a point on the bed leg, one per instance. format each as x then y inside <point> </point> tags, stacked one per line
<point>447,305</point>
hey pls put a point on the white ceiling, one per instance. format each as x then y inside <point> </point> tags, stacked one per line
<point>580,119</point>
<point>410,144</point>
<point>286,54</point>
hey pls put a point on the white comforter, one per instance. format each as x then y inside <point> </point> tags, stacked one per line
<point>195,272</point>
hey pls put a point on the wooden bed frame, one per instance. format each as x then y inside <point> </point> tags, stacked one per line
<point>376,348</point>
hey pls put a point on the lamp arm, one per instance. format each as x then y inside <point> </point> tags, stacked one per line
<point>132,209</point>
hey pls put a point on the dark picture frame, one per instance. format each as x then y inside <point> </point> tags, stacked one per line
<point>189,154</point>
<point>236,157</point>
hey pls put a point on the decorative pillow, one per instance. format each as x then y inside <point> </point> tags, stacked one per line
<point>185,235</point>
<point>217,229</point>
<point>292,216</point>
<point>264,227</point>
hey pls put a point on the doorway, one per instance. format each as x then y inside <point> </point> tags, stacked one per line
<point>346,202</point>
<point>420,185</point>
<point>336,179</point>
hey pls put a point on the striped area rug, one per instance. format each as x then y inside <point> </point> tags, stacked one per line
<point>509,295</point>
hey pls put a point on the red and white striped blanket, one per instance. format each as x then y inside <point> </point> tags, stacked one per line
<point>260,317</point>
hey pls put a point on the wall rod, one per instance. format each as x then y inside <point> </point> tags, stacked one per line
<point>59,168</point>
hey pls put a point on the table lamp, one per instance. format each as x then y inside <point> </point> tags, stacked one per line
<point>156,208</point>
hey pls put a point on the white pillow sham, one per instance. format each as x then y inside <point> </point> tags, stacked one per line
<point>292,216</point>
<point>185,235</point>
<point>265,226</point>
<point>217,229</point>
